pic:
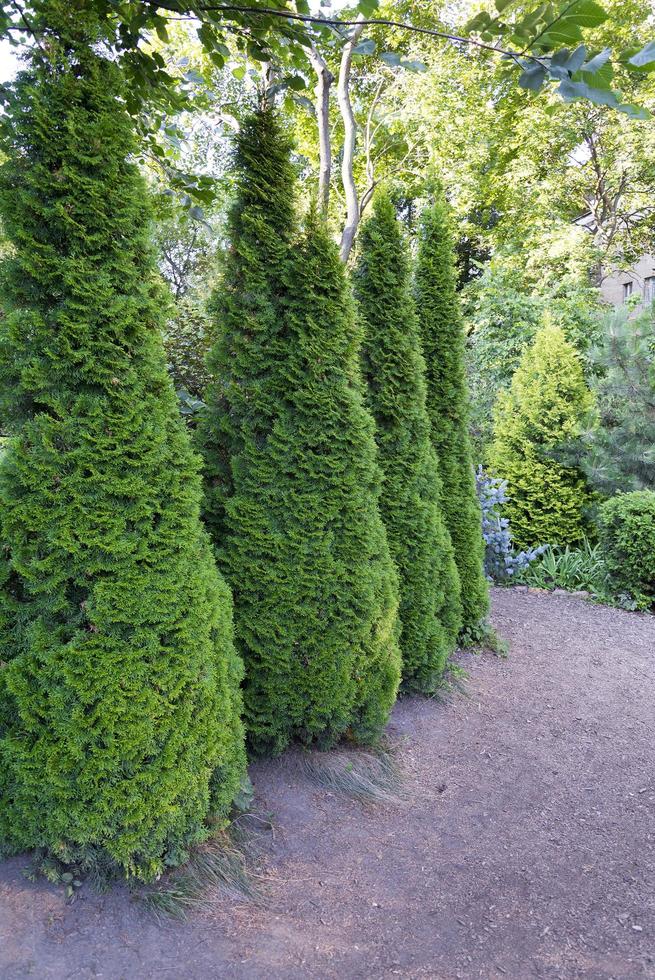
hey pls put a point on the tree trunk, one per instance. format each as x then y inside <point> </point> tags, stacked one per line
<point>324,79</point>
<point>350,133</point>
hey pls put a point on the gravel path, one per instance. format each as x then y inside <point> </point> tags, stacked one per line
<point>525,846</point>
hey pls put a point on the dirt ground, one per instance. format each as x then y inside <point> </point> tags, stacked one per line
<point>525,846</point>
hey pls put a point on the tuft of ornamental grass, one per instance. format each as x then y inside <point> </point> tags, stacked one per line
<point>573,569</point>
<point>453,681</point>
<point>215,870</point>
<point>365,775</point>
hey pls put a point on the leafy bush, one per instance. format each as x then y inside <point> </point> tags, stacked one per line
<point>394,368</point>
<point>119,688</point>
<point>442,338</point>
<point>502,321</point>
<point>501,561</point>
<point>573,569</point>
<point>627,540</point>
<point>546,406</point>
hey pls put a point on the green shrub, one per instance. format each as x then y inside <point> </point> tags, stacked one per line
<point>627,539</point>
<point>119,703</point>
<point>394,368</point>
<point>442,338</point>
<point>546,407</point>
<point>297,486</point>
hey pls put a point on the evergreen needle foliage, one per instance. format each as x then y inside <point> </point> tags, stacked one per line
<point>394,368</point>
<point>297,486</point>
<point>119,704</point>
<point>619,452</point>
<point>248,310</point>
<point>545,409</point>
<point>442,336</point>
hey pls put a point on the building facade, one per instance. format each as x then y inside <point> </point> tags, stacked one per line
<point>617,286</point>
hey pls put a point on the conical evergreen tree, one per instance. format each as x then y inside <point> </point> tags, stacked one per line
<point>119,705</point>
<point>248,309</point>
<point>442,338</point>
<point>394,368</point>
<point>544,410</point>
<point>305,550</point>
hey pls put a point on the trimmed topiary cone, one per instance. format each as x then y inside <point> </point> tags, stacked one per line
<point>394,368</point>
<point>120,730</point>
<point>305,550</point>
<point>442,338</point>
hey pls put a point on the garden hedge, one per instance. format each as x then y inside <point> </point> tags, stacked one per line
<point>627,539</point>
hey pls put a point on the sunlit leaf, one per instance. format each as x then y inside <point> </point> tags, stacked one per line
<point>532,78</point>
<point>644,57</point>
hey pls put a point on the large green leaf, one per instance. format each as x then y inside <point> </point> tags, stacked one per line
<point>533,77</point>
<point>367,46</point>
<point>390,58</point>
<point>586,13</point>
<point>644,57</point>
<point>596,63</point>
<point>367,7</point>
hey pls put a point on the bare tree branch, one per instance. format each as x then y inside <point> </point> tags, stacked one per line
<point>349,140</point>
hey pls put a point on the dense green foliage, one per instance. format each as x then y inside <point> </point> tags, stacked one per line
<point>119,704</point>
<point>394,368</point>
<point>442,338</point>
<point>627,538</point>
<point>248,308</point>
<point>503,312</point>
<point>186,343</point>
<point>292,473</point>
<point>502,321</point>
<point>546,407</point>
<point>619,452</point>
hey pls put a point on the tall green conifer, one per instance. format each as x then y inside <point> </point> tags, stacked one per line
<point>442,338</point>
<point>305,549</point>
<point>394,368</point>
<point>545,409</point>
<point>119,703</point>
<point>248,309</point>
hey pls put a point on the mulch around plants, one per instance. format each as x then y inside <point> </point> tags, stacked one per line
<point>522,845</point>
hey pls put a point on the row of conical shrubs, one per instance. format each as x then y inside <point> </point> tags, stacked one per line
<point>120,689</point>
